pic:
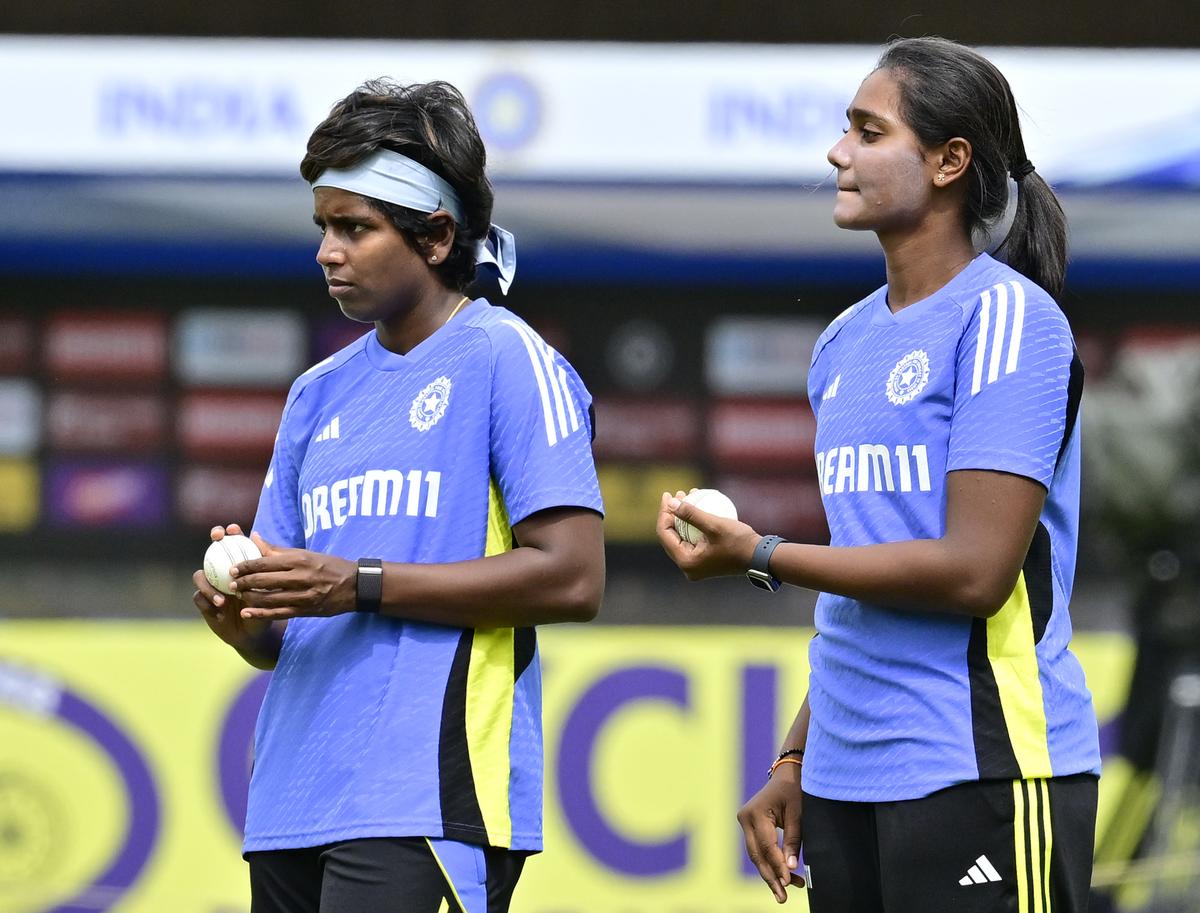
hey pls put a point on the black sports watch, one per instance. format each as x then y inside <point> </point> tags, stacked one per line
<point>369,585</point>
<point>759,571</point>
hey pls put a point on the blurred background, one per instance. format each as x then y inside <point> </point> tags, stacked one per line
<point>663,168</point>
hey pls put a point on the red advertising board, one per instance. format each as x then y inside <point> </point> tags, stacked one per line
<point>761,433</point>
<point>235,425</point>
<point>218,495</point>
<point>658,428</point>
<point>16,345</point>
<point>107,345</point>
<point>106,421</point>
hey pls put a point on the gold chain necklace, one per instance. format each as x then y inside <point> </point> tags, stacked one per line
<point>457,308</point>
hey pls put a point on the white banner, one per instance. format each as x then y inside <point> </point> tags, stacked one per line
<point>562,112</point>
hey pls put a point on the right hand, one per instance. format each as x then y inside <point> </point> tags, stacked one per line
<point>775,806</point>
<point>224,613</point>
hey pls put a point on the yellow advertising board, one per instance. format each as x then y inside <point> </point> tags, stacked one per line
<point>124,758</point>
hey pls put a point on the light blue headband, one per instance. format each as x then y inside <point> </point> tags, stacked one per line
<point>395,178</point>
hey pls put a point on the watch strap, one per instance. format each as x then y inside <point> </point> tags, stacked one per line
<point>759,572</point>
<point>369,585</point>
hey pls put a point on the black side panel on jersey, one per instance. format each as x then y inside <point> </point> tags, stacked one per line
<point>993,747</point>
<point>524,646</point>
<point>1039,583</point>
<point>462,818</point>
<point>1074,395</point>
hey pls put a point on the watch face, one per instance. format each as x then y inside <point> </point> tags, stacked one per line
<point>763,581</point>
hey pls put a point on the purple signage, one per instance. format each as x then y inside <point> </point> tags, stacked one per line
<point>106,494</point>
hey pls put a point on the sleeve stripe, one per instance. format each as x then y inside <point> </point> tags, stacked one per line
<point>560,410</point>
<point>1014,346</point>
<point>998,332</point>
<point>981,341</point>
<point>562,379</point>
<point>1001,332</point>
<point>551,438</point>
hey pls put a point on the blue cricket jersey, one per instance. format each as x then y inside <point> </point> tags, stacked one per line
<point>373,726</point>
<point>983,374</point>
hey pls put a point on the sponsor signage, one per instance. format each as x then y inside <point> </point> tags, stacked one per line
<point>647,429</point>
<point>564,111</point>
<point>215,425</point>
<point>767,433</point>
<point>114,346</point>
<point>218,495</point>
<point>20,417</point>
<point>135,745</point>
<point>106,494</point>
<point>19,495</point>
<point>227,347</point>
<point>632,495</point>
<point>106,421</point>
<point>760,355</point>
<point>788,506</point>
<point>16,345</point>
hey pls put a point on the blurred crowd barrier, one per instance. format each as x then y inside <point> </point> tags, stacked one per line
<point>125,751</point>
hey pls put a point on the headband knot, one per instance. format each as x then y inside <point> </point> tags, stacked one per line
<point>1021,171</point>
<point>395,178</point>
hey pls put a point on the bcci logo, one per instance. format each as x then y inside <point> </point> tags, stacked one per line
<point>430,405</point>
<point>908,378</point>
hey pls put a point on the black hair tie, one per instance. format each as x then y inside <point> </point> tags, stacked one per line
<point>1022,170</point>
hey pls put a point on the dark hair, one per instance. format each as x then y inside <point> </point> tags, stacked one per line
<point>948,90</point>
<point>431,124</point>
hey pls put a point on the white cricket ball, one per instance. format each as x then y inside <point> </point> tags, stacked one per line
<point>224,554</point>
<point>709,500</point>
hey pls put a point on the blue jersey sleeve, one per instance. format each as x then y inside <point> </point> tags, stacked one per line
<point>278,519</point>
<point>1011,389</point>
<point>541,432</point>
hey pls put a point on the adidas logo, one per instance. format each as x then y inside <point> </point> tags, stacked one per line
<point>980,873</point>
<point>332,431</point>
<point>832,389</point>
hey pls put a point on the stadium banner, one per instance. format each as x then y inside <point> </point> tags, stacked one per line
<point>125,751</point>
<point>564,112</point>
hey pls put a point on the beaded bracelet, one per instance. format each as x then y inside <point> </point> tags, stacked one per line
<point>790,756</point>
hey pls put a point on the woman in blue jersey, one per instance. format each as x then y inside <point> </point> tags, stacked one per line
<point>431,498</point>
<point>946,756</point>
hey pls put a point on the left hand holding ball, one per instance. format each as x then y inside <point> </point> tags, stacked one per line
<point>701,541</point>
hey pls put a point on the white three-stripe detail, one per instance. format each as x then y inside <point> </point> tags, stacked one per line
<point>1002,331</point>
<point>1014,346</point>
<point>552,382</point>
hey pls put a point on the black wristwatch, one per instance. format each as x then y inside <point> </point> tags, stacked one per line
<point>369,585</point>
<point>759,571</point>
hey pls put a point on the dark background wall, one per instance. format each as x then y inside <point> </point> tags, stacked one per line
<point>1101,23</point>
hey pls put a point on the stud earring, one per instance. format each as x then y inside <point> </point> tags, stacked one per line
<point>433,259</point>
<point>941,177</point>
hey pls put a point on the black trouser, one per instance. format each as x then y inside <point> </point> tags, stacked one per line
<point>992,846</point>
<point>384,875</point>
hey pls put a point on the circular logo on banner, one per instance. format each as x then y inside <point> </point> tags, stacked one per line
<point>430,405</point>
<point>508,110</point>
<point>29,831</point>
<point>908,378</point>
<point>26,823</point>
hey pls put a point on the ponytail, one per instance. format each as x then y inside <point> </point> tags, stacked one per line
<point>1036,244</point>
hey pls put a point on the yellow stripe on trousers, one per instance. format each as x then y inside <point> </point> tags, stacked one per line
<point>1020,828</point>
<point>1044,792</point>
<point>1035,846</point>
<point>490,687</point>
<point>1012,655</point>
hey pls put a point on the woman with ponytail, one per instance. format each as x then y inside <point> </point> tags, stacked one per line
<point>946,756</point>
